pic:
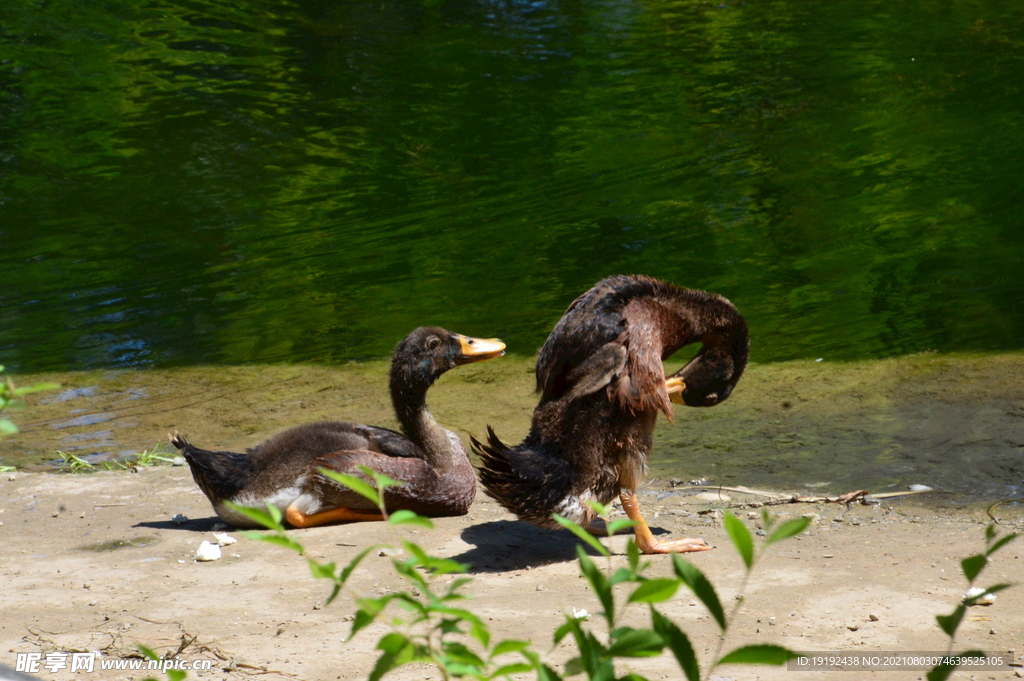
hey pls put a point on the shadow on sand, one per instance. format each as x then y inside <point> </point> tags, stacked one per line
<point>506,545</point>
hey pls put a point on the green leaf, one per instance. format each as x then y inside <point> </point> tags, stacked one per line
<point>379,479</point>
<point>29,389</point>
<point>598,583</point>
<point>613,527</point>
<point>369,608</point>
<point>455,586</point>
<point>654,591</point>
<point>352,564</point>
<point>571,625</point>
<point>406,517</point>
<point>759,654</point>
<point>628,642</point>
<point>574,666</point>
<point>740,536</point>
<point>788,529</point>
<point>396,651</point>
<point>148,652</point>
<point>509,645</point>
<point>620,575</point>
<point>515,668</point>
<point>633,555</point>
<point>996,588</point>
<point>973,565</point>
<point>279,540</point>
<point>458,652</point>
<point>176,674</point>
<point>700,586</point>
<point>581,533</point>
<point>949,623</point>
<point>7,428</point>
<point>357,485</point>
<point>259,517</point>
<point>1000,543</point>
<point>321,570</point>
<point>678,643</point>
<point>334,593</point>
<point>940,672</point>
<point>479,631</point>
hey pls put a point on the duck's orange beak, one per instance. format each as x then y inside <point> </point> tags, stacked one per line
<point>479,349</point>
<point>675,387</point>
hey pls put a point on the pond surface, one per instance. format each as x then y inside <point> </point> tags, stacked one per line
<point>190,182</point>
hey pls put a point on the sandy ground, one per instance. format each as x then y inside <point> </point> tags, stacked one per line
<point>94,562</point>
<point>863,578</point>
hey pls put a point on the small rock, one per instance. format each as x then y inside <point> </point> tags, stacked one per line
<point>317,605</point>
<point>873,618</point>
<point>813,517</point>
<point>752,516</point>
<point>992,632</point>
<point>974,592</point>
<point>712,496</point>
<point>853,627</point>
<point>828,555</point>
<point>390,552</point>
<point>55,514</point>
<point>540,587</point>
<point>179,519</point>
<point>87,585</point>
<point>178,461</point>
<point>760,532</point>
<point>12,477</point>
<point>207,552</point>
<point>224,539</point>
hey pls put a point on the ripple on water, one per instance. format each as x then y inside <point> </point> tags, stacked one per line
<point>86,420</point>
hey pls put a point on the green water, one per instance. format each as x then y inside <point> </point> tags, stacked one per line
<point>198,182</point>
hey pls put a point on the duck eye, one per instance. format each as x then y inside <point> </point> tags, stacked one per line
<point>433,343</point>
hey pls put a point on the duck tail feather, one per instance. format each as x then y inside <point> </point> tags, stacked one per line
<point>525,483</point>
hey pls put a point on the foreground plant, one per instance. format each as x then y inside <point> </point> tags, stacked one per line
<point>597,656</point>
<point>434,629</point>
<point>10,395</point>
<point>972,567</point>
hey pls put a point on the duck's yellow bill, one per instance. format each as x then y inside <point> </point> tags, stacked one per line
<point>479,349</point>
<point>675,387</point>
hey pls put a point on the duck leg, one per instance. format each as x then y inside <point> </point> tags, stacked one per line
<point>646,542</point>
<point>337,515</point>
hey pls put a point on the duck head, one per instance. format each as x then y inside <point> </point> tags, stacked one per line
<point>429,351</point>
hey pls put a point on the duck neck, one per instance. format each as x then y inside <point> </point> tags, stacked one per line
<point>418,424</point>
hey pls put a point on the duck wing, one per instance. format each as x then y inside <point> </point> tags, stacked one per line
<point>317,439</point>
<point>616,334</point>
<point>421,488</point>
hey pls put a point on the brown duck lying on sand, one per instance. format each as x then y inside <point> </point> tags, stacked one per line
<point>432,464</point>
<point>602,384</point>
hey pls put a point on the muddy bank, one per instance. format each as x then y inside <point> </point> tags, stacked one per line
<point>952,422</point>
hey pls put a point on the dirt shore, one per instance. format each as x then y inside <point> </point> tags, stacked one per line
<point>95,562</point>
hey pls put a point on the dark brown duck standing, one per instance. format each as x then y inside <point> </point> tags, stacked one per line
<point>602,384</point>
<point>438,479</point>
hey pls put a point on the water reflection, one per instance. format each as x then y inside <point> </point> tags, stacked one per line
<point>267,181</point>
